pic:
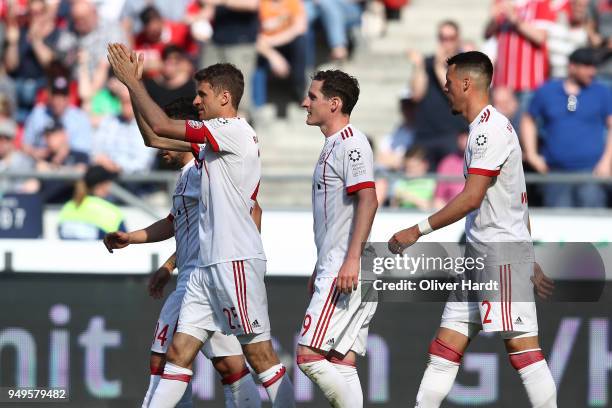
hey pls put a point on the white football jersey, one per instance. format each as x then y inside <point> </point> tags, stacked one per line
<point>184,214</point>
<point>493,150</point>
<point>231,169</point>
<point>345,166</point>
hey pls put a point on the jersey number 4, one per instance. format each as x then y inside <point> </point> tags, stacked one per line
<point>162,335</point>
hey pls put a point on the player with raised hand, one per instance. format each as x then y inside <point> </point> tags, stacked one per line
<point>335,328</point>
<point>182,223</point>
<point>231,256</point>
<point>495,206</point>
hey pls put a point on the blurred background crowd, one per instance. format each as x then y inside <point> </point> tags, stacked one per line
<point>62,112</point>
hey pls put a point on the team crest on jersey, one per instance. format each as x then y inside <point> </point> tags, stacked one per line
<point>194,124</point>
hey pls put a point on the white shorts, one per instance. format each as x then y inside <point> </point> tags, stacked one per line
<point>219,344</point>
<point>511,308</point>
<point>337,321</point>
<point>229,297</point>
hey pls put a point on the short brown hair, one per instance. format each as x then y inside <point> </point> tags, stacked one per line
<point>339,84</point>
<point>223,77</point>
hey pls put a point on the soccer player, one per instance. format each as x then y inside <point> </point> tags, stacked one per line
<point>335,327</point>
<point>231,259</point>
<point>495,206</point>
<point>182,223</point>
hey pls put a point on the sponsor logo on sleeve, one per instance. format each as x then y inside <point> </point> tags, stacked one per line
<point>356,163</point>
<point>194,124</point>
<point>480,146</point>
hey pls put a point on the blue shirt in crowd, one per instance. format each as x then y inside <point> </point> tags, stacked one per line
<point>573,140</point>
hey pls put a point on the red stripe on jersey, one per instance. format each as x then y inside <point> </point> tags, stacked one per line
<point>331,290</point>
<point>325,184</point>
<point>276,377</point>
<point>350,130</point>
<point>483,172</point>
<point>446,351</point>
<point>255,192</point>
<point>178,377</point>
<point>522,360</point>
<point>238,296</point>
<point>200,135</point>
<point>360,186</point>
<point>501,290</point>
<point>232,378</point>
<point>244,297</point>
<point>330,313</point>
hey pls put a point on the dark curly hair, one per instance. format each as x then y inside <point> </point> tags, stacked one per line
<point>339,84</point>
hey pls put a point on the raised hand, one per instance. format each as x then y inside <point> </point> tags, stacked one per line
<point>124,65</point>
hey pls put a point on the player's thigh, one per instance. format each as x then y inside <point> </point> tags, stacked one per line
<point>197,315</point>
<point>240,299</point>
<point>167,322</point>
<point>221,345</point>
<point>510,306</point>
<point>183,349</point>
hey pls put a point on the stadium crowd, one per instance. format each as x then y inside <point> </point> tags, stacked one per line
<point>61,109</point>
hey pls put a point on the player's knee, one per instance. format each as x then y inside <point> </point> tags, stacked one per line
<point>261,355</point>
<point>156,363</point>
<point>178,355</point>
<point>229,365</point>
<point>445,351</point>
<point>520,360</point>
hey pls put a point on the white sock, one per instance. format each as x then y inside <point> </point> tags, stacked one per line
<point>437,382</point>
<point>536,377</point>
<point>186,400</point>
<point>152,385</point>
<point>329,379</point>
<point>171,387</point>
<point>278,386</point>
<point>351,377</point>
<point>240,391</point>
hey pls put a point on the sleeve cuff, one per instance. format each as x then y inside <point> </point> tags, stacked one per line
<point>195,131</point>
<point>360,186</point>
<point>483,172</point>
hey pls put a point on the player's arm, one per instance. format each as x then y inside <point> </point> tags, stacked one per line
<point>367,204</point>
<point>125,67</point>
<point>160,278</point>
<point>465,202</point>
<point>256,215</point>
<point>153,140</point>
<point>158,231</point>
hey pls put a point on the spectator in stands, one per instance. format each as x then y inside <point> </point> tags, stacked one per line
<point>567,33</point>
<point>199,18</point>
<point>157,34</point>
<point>175,79</point>
<point>505,102</point>
<point>235,29</point>
<point>414,191</point>
<point>30,49</point>
<point>93,35</point>
<point>13,160</point>
<point>522,57</point>
<point>117,144</point>
<point>436,127</point>
<point>57,108</point>
<point>576,118</point>
<point>337,17</point>
<point>88,216</point>
<point>451,165</point>
<point>281,45</point>
<point>600,36</point>
<point>59,157</point>
<point>173,10</point>
<point>394,145</point>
